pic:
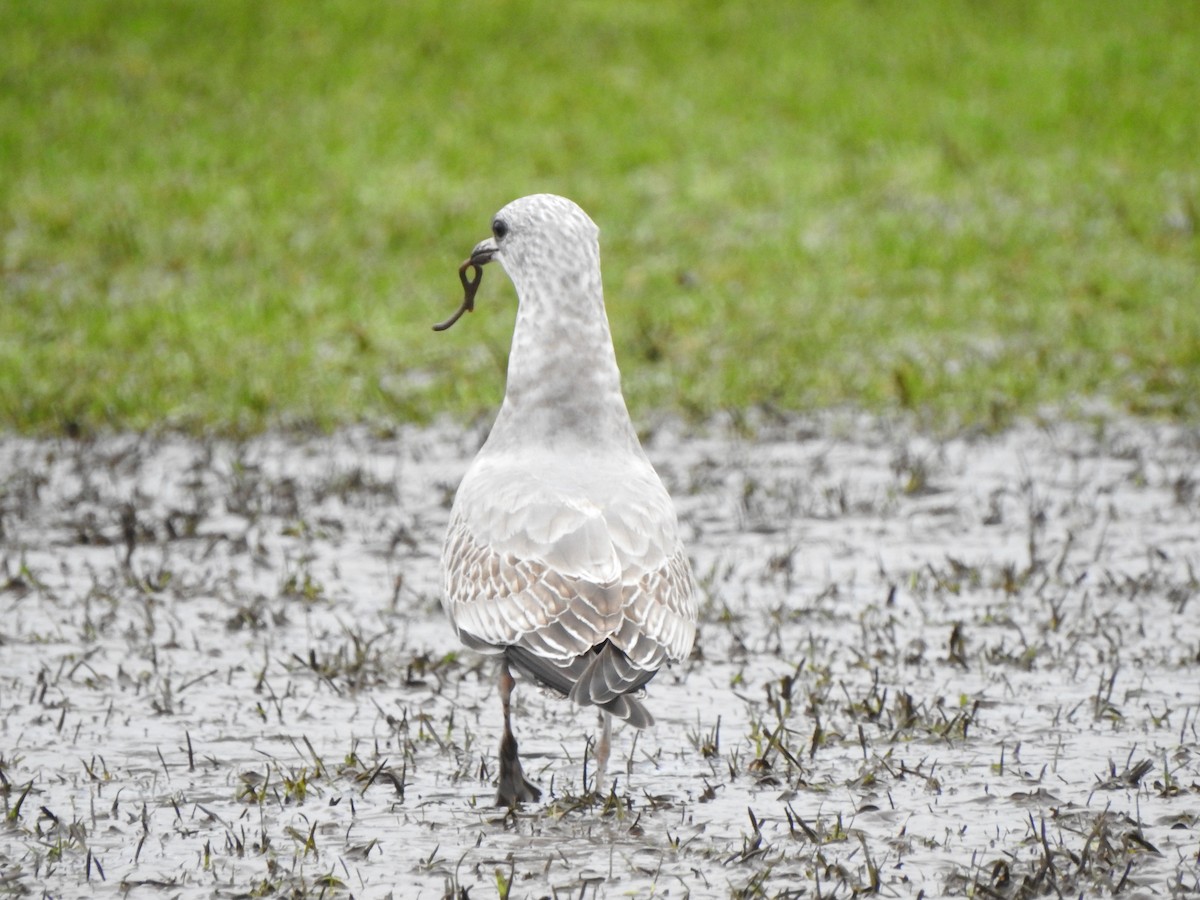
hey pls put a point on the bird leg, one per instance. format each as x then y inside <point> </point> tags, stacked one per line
<point>603,746</point>
<point>514,788</point>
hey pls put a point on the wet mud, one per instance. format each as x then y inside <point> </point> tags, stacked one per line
<point>925,667</point>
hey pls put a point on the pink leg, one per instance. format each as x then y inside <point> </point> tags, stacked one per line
<point>514,788</point>
<point>603,746</point>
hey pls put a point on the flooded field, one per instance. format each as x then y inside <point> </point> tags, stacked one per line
<point>966,667</point>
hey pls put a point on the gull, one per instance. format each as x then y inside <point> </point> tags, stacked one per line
<point>563,554</point>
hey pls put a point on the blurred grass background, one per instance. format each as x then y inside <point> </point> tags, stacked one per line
<point>229,215</point>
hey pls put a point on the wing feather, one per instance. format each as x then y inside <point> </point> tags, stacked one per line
<point>582,581</point>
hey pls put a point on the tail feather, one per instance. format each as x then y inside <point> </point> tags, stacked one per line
<point>604,677</point>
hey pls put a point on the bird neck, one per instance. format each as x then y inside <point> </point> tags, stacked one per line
<point>563,385</point>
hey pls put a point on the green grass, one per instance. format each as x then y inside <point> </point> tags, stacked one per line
<point>230,214</point>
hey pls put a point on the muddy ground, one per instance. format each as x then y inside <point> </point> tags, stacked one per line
<point>964,667</point>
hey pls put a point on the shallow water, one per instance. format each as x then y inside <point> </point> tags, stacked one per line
<point>960,667</point>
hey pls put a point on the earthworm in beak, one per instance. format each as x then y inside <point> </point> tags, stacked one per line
<point>470,286</point>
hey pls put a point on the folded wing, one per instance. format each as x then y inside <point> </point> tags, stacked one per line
<point>586,593</point>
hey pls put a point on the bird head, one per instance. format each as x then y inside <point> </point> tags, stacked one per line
<point>542,230</point>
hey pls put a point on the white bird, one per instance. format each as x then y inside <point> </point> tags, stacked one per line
<point>563,553</point>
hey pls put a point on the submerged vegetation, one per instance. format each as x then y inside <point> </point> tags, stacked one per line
<point>225,673</point>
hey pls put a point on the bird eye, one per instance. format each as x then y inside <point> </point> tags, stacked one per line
<point>499,229</point>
